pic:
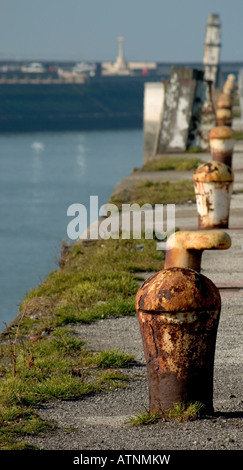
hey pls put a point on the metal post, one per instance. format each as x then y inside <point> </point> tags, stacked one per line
<point>185,248</point>
<point>213,184</point>
<point>222,141</point>
<point>178,311</point>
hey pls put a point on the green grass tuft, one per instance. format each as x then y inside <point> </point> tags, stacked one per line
<point>179,412</point>
<point>159,192</point>
<point>166,163</point>
<point>109,359</point>
<point>144,418</point>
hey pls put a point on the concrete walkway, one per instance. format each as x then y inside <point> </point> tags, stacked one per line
<point>172,176</point>
<point>100,422</point>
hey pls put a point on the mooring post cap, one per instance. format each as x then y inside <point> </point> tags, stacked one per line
<point>213,171</point>
<point>224,114</point>
<point>199,240</point>
<point>178,290</point>
<point>225,101</point>
<point>185,248</point>
<point>221,132</point>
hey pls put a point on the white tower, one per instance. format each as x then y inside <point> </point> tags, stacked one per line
<point>212,48</point>
<point>120,63</point>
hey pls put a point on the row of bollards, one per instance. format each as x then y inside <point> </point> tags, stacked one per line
<point>224,111</point>
<point>213,181</point>
<point>178,308</point>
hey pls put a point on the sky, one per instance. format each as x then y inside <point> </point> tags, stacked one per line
<point>153,30</point>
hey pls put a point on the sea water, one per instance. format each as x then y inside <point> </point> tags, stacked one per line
<point>41,175</point>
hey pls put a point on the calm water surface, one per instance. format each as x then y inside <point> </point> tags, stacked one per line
<point>40,176</point>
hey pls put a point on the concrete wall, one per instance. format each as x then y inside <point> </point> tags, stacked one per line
<point>179,114</point>
<point>152,116</point>
<point>203,117</point>
<point>179,96</point>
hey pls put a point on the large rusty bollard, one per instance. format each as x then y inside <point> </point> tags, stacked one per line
<point>184,249</point>
<point>213,184</point>
<point>178,311</point>
<point>222,141</point>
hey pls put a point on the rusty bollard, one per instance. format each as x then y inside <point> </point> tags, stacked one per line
<point>184,249</point>
<point>222,141</point>
<point>224,114</point>
<point>229,84</point>
<point>225,101</point>
<point>178,311</point>
<point>213,184</point>
<point>224,117</point>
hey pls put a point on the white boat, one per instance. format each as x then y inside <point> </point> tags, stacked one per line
<point>83,67</point>
<point>33,67</point>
